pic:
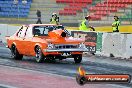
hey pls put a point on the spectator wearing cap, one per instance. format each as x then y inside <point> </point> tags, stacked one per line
<point>116,24</point>
<point>84,26</point>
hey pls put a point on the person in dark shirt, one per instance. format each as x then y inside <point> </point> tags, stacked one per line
<point>38,13</point>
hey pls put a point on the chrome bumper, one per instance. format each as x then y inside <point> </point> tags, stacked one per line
<point>67,50</point>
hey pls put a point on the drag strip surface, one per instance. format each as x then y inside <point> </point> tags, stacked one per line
<point>65,67</point>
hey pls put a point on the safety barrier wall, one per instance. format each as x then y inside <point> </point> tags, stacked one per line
<point>7,30</point>
<point>117,45</point>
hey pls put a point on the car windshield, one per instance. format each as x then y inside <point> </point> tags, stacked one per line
<point>43,30</point>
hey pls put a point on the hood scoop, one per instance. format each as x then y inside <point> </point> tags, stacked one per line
<point>57,34</point>
<point>63,34</point>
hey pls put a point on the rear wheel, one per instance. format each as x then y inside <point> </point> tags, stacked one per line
<point>15,53</point>
<point>77,58</point>
<point>39,54</point>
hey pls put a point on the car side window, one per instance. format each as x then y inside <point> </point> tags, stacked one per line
<point>40,31</point>
<point>46,30</point>
<point>22,32</point>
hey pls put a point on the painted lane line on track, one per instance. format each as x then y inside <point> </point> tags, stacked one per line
<point>6,86</point>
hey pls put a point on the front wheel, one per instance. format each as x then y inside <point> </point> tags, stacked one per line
<point>77,58</point>
<point>39,55</point>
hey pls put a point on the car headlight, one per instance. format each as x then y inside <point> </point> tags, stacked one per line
<point>82,45</point>
<point>50,46</point>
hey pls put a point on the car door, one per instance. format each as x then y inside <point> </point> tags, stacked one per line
<point>28,42</point>
<point>20,39</point>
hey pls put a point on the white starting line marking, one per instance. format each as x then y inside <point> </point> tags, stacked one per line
<point>6,86</point>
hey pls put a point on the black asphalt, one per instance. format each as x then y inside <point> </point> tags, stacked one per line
<point>65,67</point>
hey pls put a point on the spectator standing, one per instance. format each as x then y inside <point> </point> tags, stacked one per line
<point>38,13</point>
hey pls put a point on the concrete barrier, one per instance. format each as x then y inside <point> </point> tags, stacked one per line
<point>7,30</point>
<point>116,45</point>
<point>113,44</point>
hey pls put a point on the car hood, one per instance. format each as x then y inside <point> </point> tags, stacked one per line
<point>66,40</point>
<point>60,37</point>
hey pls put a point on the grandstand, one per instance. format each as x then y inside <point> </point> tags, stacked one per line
<point>71,12</point>
<point>9,9</point>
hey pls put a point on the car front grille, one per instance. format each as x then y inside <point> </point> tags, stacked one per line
<point>65,46</point>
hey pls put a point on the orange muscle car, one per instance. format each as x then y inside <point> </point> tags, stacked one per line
<point>45,41</point>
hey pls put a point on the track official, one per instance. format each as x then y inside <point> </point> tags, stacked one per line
<point>54,19</point>
<point>84,26</point>
<point>116,24</point>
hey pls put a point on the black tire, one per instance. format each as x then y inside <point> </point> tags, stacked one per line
<point>39,55</point>
<point>77,58</point>
<point>15,53</point>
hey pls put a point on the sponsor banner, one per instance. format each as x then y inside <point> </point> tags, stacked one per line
<point>90,39</point>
